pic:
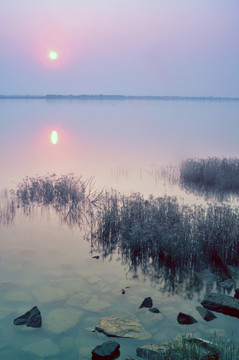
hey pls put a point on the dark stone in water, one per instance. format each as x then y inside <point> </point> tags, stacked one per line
<point>236,296</point>
<point>31,318</point>
<point>222,303</point>
<point>148,303</point>
<point>96,257</point>
<point>109,350</point>
<point>206,314</point>
<point>154,310</point>
<point>185,319</point>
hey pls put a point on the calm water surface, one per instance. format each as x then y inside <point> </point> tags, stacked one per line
<point>43,262</point>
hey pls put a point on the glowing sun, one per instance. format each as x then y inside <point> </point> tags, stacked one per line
<point>54,137</point>
<point>53,55</point>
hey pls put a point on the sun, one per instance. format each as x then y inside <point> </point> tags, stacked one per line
<point>53,55</point>
<point>54,137</point>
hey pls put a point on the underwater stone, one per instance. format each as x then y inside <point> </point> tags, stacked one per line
<point>185,319</point>
<point>148,303</point>
<point>107,351</point>
<point>154,310</point>
<point>31,318</point>
<point>61,320</point>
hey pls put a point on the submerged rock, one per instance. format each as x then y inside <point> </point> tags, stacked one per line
<point>185,319</point>
<point>193,348</point>
<point>61,320</point>
<point>31,318</point>
<point>47,293</point>
<point>154,310</point>
<point>107,351</point>
<point>148,303</point>
<point>43,348</point>
<point>222,303</point>
<point>118,327</point>
<point>205,314</point>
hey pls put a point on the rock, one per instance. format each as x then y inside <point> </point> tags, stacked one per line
<point>43,348</point>
<point>18,295</point>
<point>118,327</point>
<point>48,293</point>
<point>96,257</point>
<point>31,318</point>
<point>61,320</point>
<point>154,310</point>
<point>95,304</point>
<point>107,351</point>
<point>222,303</point>
<point>192,347</point>
<point>206,314</point>
<point>79,299</point>
<point>185,319</point>
<point>148,303</point>
<point>236,296</point>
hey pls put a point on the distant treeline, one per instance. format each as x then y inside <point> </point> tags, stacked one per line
<point>116,97</point>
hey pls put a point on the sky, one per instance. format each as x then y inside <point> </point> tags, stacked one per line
<point>129,47</point>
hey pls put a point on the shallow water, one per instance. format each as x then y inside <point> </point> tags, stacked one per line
<point>45,263</point>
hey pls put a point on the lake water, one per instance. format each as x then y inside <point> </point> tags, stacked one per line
<point>123,145</point>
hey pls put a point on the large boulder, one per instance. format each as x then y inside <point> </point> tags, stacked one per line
<point>222,303</point>
<point>191,348</point>
<point>118,327</point>
<point>109,350</point>
<point>31,318</point>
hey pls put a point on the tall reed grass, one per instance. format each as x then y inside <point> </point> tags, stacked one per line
<point>162,231</point>
<point>222,174</point>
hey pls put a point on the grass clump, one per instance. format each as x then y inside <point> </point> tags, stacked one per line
<point>222,174</point>
<point>72,198</point>
<point>161,232</point>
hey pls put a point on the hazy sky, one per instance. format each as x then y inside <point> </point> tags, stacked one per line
<point>144,47</point>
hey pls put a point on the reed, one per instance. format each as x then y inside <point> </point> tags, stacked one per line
<point>222,174</point>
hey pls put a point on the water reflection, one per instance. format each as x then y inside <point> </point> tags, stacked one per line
<point>163,239</point>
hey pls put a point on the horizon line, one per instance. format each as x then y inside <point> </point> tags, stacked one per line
<point>116,97</point>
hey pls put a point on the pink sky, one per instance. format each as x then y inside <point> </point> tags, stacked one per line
<point>120,47</point>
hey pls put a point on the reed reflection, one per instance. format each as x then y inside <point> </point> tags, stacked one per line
<point>166,241</point>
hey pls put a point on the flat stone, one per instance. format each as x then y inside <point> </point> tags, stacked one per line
<point>222,303</point>
<point>18,295</point>
<point>48,293</point>
<point>172,350</point>
<point>106,351</point>
<point>61,320</point>
<point>79,299</point>
<point>44,348</point>
<point>118,327</point>
<point>205,314</point>
<point>96,305</point>
<point>185,319</point>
